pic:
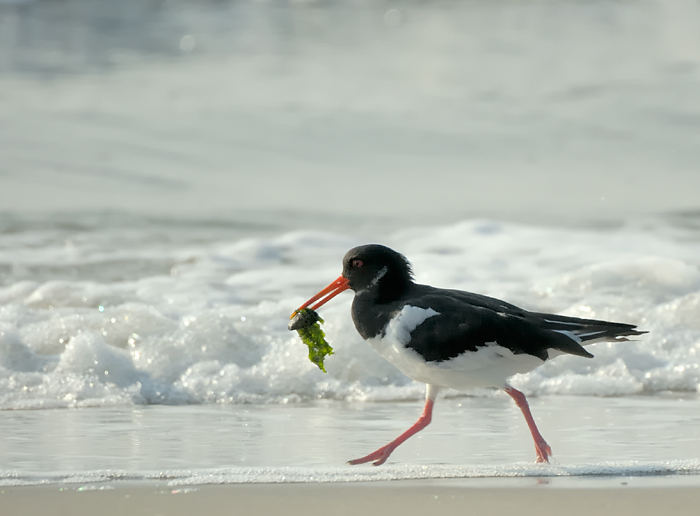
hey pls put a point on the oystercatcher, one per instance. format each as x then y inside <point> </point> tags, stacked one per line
<point>453,339</point>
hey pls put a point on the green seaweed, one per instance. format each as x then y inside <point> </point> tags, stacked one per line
<point>314,337</point>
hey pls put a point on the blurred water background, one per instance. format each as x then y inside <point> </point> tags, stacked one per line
<point>400,108</point>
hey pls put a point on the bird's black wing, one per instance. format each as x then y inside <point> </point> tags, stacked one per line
<point>468,321</point>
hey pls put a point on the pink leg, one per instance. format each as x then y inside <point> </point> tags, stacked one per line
<point>382,454</point>
<point>541,447</point>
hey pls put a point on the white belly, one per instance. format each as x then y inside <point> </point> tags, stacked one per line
<point>489,366</point>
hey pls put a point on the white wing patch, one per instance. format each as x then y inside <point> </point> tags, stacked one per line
<point>392,344</point>
<point>408,319</point>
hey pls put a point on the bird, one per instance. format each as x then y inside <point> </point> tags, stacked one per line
<point>452,338</point>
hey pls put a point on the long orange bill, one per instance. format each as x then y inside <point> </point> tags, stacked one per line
<point>329,292</point>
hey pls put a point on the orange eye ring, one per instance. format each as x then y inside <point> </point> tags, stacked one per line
<point>357,263</point>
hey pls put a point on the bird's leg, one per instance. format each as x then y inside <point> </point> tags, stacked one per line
<point>541,447</point>
<point>382,454</point>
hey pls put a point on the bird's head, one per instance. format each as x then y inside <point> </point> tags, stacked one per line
<point>373,270</point>
<point>376,270</point>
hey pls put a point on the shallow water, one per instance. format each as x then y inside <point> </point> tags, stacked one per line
<point>469,438</point>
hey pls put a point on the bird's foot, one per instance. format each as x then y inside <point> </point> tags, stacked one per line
<point>379,456</point>
<point>544,451</point>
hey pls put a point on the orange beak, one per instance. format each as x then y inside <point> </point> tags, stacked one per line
<point>327,293</point>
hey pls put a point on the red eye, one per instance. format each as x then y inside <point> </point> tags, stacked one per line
<point>357,263</point>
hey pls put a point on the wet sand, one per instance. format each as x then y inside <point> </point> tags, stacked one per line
<point>619,497</point>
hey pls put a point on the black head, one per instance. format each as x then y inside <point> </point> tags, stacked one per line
<point>378,271</point>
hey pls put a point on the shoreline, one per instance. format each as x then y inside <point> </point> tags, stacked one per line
<point>617,496</point>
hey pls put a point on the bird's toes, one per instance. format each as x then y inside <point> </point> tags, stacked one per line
<point>381,461</point>
<point>543,453</point>
<point>362,460</point>
<point>379,457</point>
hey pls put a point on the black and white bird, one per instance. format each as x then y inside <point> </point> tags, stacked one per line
<point>454,339</point>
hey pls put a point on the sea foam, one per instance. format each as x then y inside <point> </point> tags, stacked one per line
<point>267,475</point>
<point>211,326</point>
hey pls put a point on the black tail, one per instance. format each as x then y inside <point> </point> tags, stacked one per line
<point>569,334</point>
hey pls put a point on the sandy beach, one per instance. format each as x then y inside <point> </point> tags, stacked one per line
<point>617,497</point>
